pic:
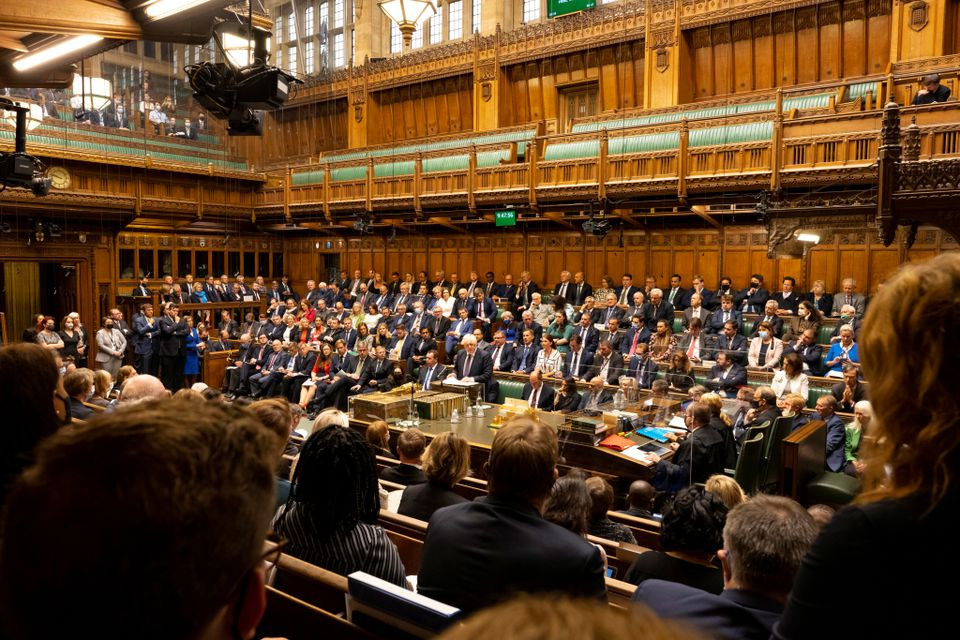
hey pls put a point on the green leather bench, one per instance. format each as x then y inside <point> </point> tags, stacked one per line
<point>833,489</point>
<point>509,389</point>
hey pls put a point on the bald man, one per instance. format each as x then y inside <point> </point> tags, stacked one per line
<point>640,499</point>
<point>142,387</point>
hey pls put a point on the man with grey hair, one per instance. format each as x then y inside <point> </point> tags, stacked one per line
<point>472,364</point>
<point>764,541</point>
<point>848,296</point>
<point>658,309</point>
<point>142,387</point>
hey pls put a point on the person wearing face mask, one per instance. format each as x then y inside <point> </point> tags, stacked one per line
<point>753,298</point>
<point>636,335</point>
<point>764,409</point>
<point>765,350</point>
<point>848,316</point>
<point>810,319</point>
<point>70,338</point>
<point>111,345</point>
<point>47,336</point>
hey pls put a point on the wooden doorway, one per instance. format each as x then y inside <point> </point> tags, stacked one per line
<point>29,288</point>
<point>579,101</point>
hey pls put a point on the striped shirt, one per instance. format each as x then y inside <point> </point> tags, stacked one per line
<point>365,548</point>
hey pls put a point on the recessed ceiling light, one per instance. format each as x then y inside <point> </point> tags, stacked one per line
<point>55,51</point>
<point>166,8</point>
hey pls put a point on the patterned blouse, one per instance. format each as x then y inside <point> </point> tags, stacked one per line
<point>365,548</point>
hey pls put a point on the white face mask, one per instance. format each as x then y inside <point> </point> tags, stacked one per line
<point>764,335</point>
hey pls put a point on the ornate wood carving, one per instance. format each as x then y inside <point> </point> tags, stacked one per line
<point>918,16</point>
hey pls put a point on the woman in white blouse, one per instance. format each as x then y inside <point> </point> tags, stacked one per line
<point>765,350</point>
<point>549,360</point>
<point>446,302</point>
<point>791,379</point>
<point>290,329</point>
<point>371,318</point>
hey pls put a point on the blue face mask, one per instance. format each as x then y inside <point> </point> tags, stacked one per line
<point>764,335</point>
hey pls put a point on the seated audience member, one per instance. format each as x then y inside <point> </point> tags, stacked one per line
<point>725,488</point>
<point>764,410</point>
<point>680,372</point>
<point>601,497</point>
<point>770,316</point>
<point>854,435</point>
<point>791,378</point>
<point>79,385</point>
<point>562,618</point>
<point>607,364</point>
<point>726,376</point>
<point>596,397</point>
<point>331,518</point>
<point>35,406</point>
<point>642,368</point>
<point>822,514</point>
<point>569,504</point>
<point>142,387</point>
<point>274,414</point>
<point>910,499</point>
<point>537,394</point>
<point>640,499</point>
<point>568,398</point>
<point>102,383</point>
<point>693,343</point>
<point>722,424</point>
<point>695,458</point>
<point>378,435</point>
<point>848,316</point>
<point>792,406</point>
<point>932,90</point>
<point>174,551</point>
<point>765,349</point>
<point>764,542</point>
<point>843,353</point>
<point>850,391</point>
<point>445,463</point>
<point>488,550</point>
<point>410,447</point>
<point>809,352</point>
<point>125,373</point>
<point>690,536</point>
<point>836,432</point>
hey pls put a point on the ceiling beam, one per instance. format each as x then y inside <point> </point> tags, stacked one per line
<point>557,216</point>
<point>701,211</point>
<point>70,17</point>
<point>627,216</point>
<point>398,224</point>
<point>14,44</point>
<point>447,224</point>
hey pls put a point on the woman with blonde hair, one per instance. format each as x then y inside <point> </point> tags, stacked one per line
<point>856,434</point>
<point>102,383</point>
<point>445,463</point>
<point>898,538</point>
<point>725,488</point>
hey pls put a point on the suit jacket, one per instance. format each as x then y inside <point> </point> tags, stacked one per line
<point>700,455</point>
<point>715,324</point>
<point>420,501</point>
<point>707,299</point>
<point>630,291</point>
<point>507,353</point>
<point>587,397</point>
<point>481,369</point>
<point>858,301</point>
<point>576,294</point>
<point>732,615</point>
<point>489,309</point>
<point>836,436</point>
<point>594,316</point>
<point>302,365</point>
<point>774,353</point>
<point>591,341</point>
<point>407,349</point>
<point>104,343</point>
<point>374,370</point>
<point>735,378</point>
<point>702,313</point>
<point>811,355</point>
<point>439,327</point>
<point>439,373</point>
<point>736,346</point>
<point>271,364</point>
<point>678,300</point>
<point>545,401</point>
<point>507,292</point>
<point>614,370</point>
<point>173,335</point>
<point>775,321</point>
<point>145,336</point>
<point>683,344</point>
<point>662,312</point>
<point>535,327</point>
<point>859,393</point>
<point>522,297</point>
<point>405,474</point>
<point>524,357</point>
<point>140,293</point>
<point>608,313</point>
<point>790,304</point>
<point>754,301</point>
<point>583,366</point>
<point>616,340</point>
<point>626,343</point>
<point>212,294</point>
<point>421,347</point>
<point>488,550</point>
<point>649,373</point>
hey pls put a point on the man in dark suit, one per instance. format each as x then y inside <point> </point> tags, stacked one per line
<point>507,290</point>
<point>625,291</point>
<point>765,410</point>
<point>422,345</point>
<point>707,298</point>
<point>589,335</point>
<point>615,334</point>
<point>676,295</point>
<point>263,382</point>
<point>422,287</point>
<point>787,298</point>
<point>472,364</point>
<point>726,376</point>
<point>637,334</point>
<point>350,368</point>
<point>658,309</point>
<point>726,313</point>
<point>274,293</point>
<point>482,308</point>
<point>252,362</point>
<point>146,331</point>
<point>836,431</point>
<point>210,288</point>
<point>764,541</point>
<point>438,324</point>
<point>752,298</point>
<point>850,391</point>
<point>811,354</point>
<point>642,368</point>
<point>696,309</point>
<point>848,295</point>
<point>589,309</point>
<point>564,288</point>
<point>431,371</point>
<point>731,343</point>
<point>525,353</point>
<point>172,348</point>
<point>142,290</point>
<point>501,353</point>
<point>525,290</point>
<point>770,314</point>
<point>296,372</point>
<point>694,342</point>
<point>527,322</point>
<point>607,363</point>
<point>481,552</point>
<point>581,290</point>
<point>596,397</point>
<point>696,457</point>
<point>457,330</point>
<point>231,377</point>
<point>537,394</point>
<point>609,311</point>
<point>410,447</point>
<point>577,362</point>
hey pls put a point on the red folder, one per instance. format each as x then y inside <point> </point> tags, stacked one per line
<point>617,443</point>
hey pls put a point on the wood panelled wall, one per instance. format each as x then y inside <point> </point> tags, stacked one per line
<point>811,44</point>
<point>736,252</point>
<point>421,110</point>
<point>531,91</point>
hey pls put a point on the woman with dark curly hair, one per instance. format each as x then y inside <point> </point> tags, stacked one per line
<point>331,517</point>
<point>691,535</point>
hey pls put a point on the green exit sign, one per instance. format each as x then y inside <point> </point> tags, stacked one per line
<point>506,218</point>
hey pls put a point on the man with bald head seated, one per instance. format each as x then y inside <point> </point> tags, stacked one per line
<point>174,551</point>
<point>142,387</point>
<point>640,499</point>
<point>491,549</point>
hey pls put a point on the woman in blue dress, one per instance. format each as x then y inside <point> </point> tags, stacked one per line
<point>191,368</point>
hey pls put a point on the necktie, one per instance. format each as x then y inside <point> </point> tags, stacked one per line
<point>496,357</point>
<point>563,291</point>
<point>576,364</point>
<point>466,366</point>
<point>583,334</point>
<point>656,308</point>
<point>610,313</point>
<point>633,347</point>
<point>523,361</point>
<point>426,381</point>
<point>273,361</point>
<point>726,316</point>
<point>481,310</point>
<point>533,397</point>
<point>850,300</point>
<point>693,344</point>
<point>623,296</point>
<point>359,366</point>
<point>579,286</point>
<point>376,368</point>
<point>641,370</point>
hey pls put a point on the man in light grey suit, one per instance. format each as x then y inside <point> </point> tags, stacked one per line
<point>849,295</point>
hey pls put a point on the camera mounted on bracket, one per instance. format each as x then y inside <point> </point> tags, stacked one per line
<point>20,169</point>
